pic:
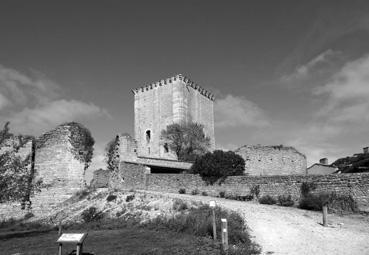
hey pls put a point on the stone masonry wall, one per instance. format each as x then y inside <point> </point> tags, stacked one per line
<point>272,160</point>
<point>356,185</point>
<point>173,100</point>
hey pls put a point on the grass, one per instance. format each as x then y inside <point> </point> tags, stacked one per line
<point>198,222</point>
<point>126,241</point>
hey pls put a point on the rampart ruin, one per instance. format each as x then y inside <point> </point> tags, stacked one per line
<point>272,160</point>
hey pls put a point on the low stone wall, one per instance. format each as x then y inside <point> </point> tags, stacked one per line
<point>356,185</point>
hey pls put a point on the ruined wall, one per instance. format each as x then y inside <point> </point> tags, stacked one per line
<point>130,176</point>
<point>127,147</point>
<point>356,185</point>
<point>173,100</point>
<point>100,179</point>
<point>272,160</point>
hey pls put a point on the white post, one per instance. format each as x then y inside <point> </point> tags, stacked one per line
<point>212,206</point>
<point>325,212</point>
<point>224,235</point>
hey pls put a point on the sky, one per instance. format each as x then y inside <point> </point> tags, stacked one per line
<point>284,72</point>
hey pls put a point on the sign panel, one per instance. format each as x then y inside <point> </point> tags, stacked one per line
<point>71,237</point>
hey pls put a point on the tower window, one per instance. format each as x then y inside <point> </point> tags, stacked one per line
<point>166,148</point>
<point>148,136</point>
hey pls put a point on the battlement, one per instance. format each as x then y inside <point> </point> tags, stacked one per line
<point>179,77</point>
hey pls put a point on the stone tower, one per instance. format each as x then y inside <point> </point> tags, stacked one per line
<point>173,100</point>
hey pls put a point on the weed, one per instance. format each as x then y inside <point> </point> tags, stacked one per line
<point>285,200</point>
<point>195,192</point>
<point>338,203</point>
<point>182,191</point>
<point>267,200</point>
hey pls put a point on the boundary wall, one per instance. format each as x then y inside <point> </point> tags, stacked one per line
<point>133,176</point>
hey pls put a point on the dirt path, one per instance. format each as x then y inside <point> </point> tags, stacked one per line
<point>284,230</point>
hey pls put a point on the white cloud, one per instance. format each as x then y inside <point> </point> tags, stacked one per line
<point>314,71</point>
<point>48,115</point>
<point>347,93</point>
<point>233,111</point>
<point>34,104</point>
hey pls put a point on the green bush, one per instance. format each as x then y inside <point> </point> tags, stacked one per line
<point>267,200</point>
<point>285,200</point>
<point>28,215</point>
<point>204,193</point>
<point>179,205</point>
<point>217,165</point>
<point>195,192</point>
<point>91,214</point>
<point>222,194</point>
<point>182,191</point>
<point>255,191</point>
<point>130,198</point>
<point>307,187</point>
<point>198,221</point>
<point>338,203</point>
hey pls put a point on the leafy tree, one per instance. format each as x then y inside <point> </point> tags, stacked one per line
<point>110,154</point>
<point>218,165</point>
<point>187,141</point>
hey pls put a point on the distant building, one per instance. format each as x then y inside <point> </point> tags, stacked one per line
<point>321,168</point>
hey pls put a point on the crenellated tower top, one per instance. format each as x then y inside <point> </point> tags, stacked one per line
<point>174,78</point>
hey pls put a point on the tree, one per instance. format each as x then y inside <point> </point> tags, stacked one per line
<point>187,141</point>
<point>111,154</point>
<point>218,165</point>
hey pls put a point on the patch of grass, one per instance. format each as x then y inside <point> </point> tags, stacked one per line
<point>195,192</point>
<point>285,200</point>
<point>182,191</point>
<point>198,221</point>
<point>267,200</point>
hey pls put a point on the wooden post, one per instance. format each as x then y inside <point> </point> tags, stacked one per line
<point>224,235</point>
<point>214,226</point>
<point>60,231</point>
<point>325,212</point>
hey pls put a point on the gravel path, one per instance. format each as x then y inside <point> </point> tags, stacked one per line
<point>284,230</point>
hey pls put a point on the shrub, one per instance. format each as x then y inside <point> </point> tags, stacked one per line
<point>204,193</point>
<point>198,221</point>
<point>195,192</point>
<point>111,198</point>
<point>91,214</point>
<point>182,191</point>
<point>267,200</point>
<point>255,191</point>
<point>340,203</point>
<point>222,194</point>
<point>217,165</point>
<point>179,205</point>
<point>285,200</point>
<point>130,198</point>
<point>307,187</point>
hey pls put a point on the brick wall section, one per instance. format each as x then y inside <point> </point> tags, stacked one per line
<point>272,160</point>
<point>356,185</point>
<point>130,176</point>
